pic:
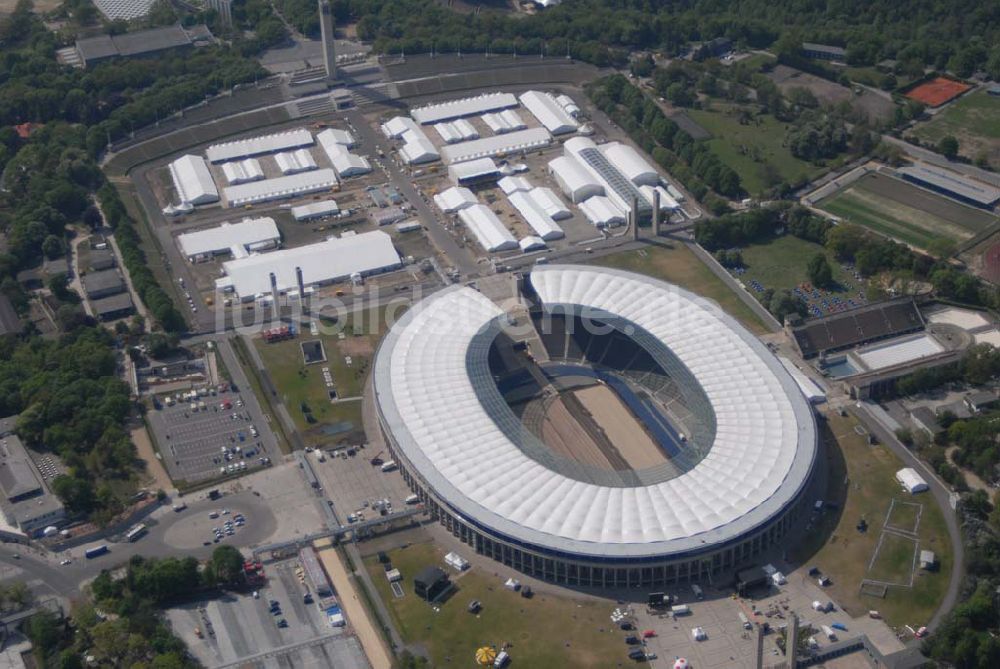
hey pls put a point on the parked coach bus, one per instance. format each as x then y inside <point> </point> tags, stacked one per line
<point>136,533</point>
<point>96,551</point>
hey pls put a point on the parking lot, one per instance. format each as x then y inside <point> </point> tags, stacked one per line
<point>215,435</point>
<point>355,486</point>
<point>243,630</point>
<point>728,644</point>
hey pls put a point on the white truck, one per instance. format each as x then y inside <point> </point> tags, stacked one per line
<point>389,466</point>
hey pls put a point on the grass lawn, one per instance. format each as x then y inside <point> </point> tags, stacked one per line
<point>678,264</point>
<point>894,561</point>
<point>300,384</point>
<point>782,262</point>
<point>862,479</point>
<point>755,151</point>
<point>545,631</point>
<point>904,515</point>
<point>974,120</point>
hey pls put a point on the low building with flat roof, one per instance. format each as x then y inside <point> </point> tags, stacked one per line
<point>823,51</point>
<point>27,502</point>
<point>153,42</point>
<point>957,186</point>
<point>113,307</point>
<point>103,284</point>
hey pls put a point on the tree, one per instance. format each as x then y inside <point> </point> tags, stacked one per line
<point>52,247</point>
<point>225,565</point>
<point>948,147</point>
<point>819,271</point>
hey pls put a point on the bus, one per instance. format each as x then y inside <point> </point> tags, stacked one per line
<point>96,551</point>
<point>136,532</point>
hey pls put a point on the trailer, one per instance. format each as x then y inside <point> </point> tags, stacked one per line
<point>96,551</point>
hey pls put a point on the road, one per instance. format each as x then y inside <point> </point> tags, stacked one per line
<point>943,498</point>
<point>439,236</point>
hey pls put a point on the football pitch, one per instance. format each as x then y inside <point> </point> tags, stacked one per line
<point>896,209</point>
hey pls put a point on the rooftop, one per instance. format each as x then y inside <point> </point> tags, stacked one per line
<point>105,280</point>
<point>133,43</point>
<point>857,326</point>
<point>17,474</point>
<point>112,304</point>
<point>961,185</point>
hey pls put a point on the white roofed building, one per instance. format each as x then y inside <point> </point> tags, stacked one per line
<point>336,136</point>
<point>532,243</point>
<point>445,111</point>
<point>335,259</point>
<point>513,184</point>
<point>312,210</point>
<point>628,161</point>
<point>575,181</point>
<point>471,172</point>
<point>280,188</point>
<point>192,181</point>
<point>255,146</point>
<point>250,234</point>
<point>549,112</point>
<point>507,120</point>
<point>535,216</point>
<point>550,203</point>
<point>395,127</point>
<point>508,143</point>
<point>242,171</point>
<point>487,228</point>
<point>667,202</point>
<point>293,162</point>
<point>452,199</point>
<point>602,212</point>
<point>567,103</point>
<point>418,149</point>
<point>911,481</point>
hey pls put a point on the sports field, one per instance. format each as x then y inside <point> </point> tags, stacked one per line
<point>974,121</point>
<point>755,150</point>
<point>544,631</point>
<point>902,211</point>
<point>937,91</point>
<point>621,427</point>
<point>861,481</point>
<point>561,432</point>
<point>679,265</point>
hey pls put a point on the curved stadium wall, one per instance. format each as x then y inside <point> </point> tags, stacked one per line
<point>459,448</point>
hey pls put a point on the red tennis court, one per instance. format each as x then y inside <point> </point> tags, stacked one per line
<point>937,91</point>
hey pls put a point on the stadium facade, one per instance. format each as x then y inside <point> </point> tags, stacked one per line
<point>733,488</point>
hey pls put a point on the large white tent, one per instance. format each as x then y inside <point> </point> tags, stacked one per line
<point>255,146</point>
<point>237,238</point>
<point>335,259</point>
<point>911,481</point>
<point>535,216</point>
<point>280,188</point>
<point>576,182</point>
<point>549,112</point>
<point>192,180</point>
<point>487,228</point>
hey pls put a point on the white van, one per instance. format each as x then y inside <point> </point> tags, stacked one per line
<point>389,466</point>
<point>680,609</point>
<point>745,621</point>
<point>502,659</point>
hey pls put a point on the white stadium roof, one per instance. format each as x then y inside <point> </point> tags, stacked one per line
<point>519,140</point>
<point>248,232</point>
<point>255,146</point>
<point>323,262</point>
<point>535,216</point>
<point>192,180</point>
<point>443,416</point>
<point>293,162</point>
<point>487,228</point>
<point>280,187</point>
<point>241,171</point>
<point>549,112</point>
<point>445,111</point>
<point>455,198</point>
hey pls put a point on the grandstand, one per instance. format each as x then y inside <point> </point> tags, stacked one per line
<point>864,325</point>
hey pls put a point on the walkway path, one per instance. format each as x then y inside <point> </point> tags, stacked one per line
<point>354,609</point>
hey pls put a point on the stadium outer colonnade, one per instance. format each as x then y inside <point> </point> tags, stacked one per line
<point>574,570</point>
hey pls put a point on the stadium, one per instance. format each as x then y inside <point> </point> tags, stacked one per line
<point>598,429</point>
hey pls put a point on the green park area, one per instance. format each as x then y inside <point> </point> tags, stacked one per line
<point>753,146</point>
<point>861,485</point>
<point>974,120</point>
<point>543,631</point>
<point>676,263</point>
<point>782,263</point>
<point>320,417</point>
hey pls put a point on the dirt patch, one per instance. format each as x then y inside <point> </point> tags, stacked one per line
<point>622,428</point>
<point>154,468</point>
<point>830,93</point>
<point>355,346</point>
<point>564,435</point>
<point>937,91</point>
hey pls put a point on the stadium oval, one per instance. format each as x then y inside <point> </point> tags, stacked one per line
<point>462,449</point>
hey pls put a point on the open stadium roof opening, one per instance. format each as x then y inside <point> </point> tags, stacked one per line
<point>455,435</point>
